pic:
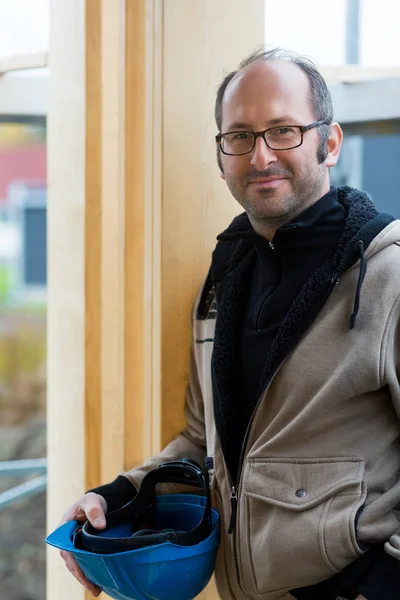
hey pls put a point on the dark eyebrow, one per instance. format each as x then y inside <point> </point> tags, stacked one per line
<point>281,121</point>
<point>239,126</point>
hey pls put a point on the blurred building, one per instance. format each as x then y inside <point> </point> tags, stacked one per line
<point>23,197</point>
<point>371,163</point>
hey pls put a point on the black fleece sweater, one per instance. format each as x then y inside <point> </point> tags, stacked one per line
<point>280,270</point>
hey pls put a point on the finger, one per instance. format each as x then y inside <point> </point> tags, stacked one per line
<point>78,510</point>
<point>91,587</point>
<point>74,513</point>
<point>77,572</point>
<point>69,560</point>
<point>94,589</point>
<point>94,510</point>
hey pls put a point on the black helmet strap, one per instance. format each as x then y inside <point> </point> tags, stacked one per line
<point>140,513</point>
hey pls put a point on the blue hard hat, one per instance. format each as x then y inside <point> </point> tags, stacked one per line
<point>153,548</point>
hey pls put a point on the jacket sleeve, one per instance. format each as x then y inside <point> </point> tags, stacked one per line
<point>383,581</point>
<point>190,443</point>
<point>392,377</point>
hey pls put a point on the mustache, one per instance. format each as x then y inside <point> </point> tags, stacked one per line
<point>273,172</point>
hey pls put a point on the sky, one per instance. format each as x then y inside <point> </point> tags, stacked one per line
<point>317,28</point>
<point>313,27</point>
<point>24,26</point>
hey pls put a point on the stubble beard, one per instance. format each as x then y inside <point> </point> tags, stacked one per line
<point>279,211</point>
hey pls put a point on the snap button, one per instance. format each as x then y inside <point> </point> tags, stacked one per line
<point>301,493</point>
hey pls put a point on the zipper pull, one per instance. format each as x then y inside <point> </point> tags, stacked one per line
<point>233,498</point>
<point>335,280</point>
<point>209,464</point>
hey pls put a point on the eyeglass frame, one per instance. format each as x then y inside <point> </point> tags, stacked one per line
<point>257,134</point>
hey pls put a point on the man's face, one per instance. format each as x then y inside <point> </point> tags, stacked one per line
<point>272,186</point>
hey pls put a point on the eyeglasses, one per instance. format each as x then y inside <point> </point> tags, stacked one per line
<point>284,137</point>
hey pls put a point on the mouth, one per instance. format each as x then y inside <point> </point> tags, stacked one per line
<point>266,182</point>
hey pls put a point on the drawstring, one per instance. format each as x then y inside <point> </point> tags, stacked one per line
<point>363,270</point>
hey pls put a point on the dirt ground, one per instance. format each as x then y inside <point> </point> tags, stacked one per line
<point>22,525</point>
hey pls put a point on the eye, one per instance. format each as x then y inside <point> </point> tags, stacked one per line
<point>284,130</point>
<point>241,135</point>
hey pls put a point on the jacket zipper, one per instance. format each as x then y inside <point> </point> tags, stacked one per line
<point>271,245</point>
<point>233,499</point>
<point>260,314</point>
<point>235,485</point>
<point>234,488</point>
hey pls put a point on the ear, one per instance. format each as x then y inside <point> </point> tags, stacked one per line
<point>334,145</point>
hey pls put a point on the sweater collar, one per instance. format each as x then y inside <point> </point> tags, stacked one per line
<point>317,229</point>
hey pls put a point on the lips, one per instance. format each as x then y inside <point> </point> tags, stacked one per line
<point>266,179</point>
<point>267,182</point>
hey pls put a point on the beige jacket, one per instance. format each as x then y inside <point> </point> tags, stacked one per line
<point>320,472</point>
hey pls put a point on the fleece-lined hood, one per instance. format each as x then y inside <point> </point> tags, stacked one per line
<point>363,224</point>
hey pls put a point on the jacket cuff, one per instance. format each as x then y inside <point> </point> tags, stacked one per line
<point>383,580</point>
<point>117,493</point>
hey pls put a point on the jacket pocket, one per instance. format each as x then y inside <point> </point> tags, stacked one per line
<point>298,520</point>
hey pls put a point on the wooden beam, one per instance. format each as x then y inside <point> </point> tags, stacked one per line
<point>196,202</point>
<point>21,62</point>
<point>138,234</point>
<point>112,236</point>
<point>93,238</point>
<point>66,279</point>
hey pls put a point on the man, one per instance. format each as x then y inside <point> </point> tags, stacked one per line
<point>294,397</point>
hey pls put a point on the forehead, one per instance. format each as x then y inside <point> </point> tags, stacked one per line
<point>265,91</point>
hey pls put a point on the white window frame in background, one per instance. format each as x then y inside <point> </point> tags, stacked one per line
<point>22,62</point>
<point>22,94</point>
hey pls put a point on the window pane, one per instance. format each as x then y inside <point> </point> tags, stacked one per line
<point>35,263</point>
<point>24,26</point>
<point>379,33</point>
<point>304,28</point>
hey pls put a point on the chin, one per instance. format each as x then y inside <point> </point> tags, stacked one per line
<point>264,211</point>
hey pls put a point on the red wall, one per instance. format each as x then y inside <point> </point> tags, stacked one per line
<point>23,164</point>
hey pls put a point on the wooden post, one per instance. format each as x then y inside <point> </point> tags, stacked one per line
<point>135,203</point>
<point>202,41</point>
<point>66,448</point>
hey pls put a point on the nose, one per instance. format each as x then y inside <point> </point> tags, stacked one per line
<point>262,156</point>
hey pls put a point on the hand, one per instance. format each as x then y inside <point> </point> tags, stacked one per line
<point>92,507</point>
<point>361,597</point>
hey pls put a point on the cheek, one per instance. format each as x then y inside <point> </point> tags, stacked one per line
<point>234,167</point>
<point>307,159</point>
<point>301,162</point>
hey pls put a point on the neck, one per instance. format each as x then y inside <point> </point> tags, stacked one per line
<point>264,229</point>
<point>268,227</point>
